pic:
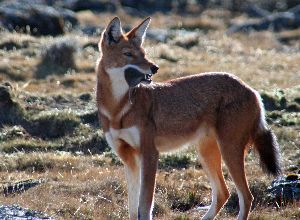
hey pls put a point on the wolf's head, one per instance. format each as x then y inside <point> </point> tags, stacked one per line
<point>123,54</point>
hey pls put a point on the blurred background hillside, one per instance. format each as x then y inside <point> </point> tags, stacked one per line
<point>53,156</point>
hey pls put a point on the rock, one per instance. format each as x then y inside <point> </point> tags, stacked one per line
<point>295,10</point>
<point>292,3</point>
<point>93,5</point>
<point>134,11</point>
<point>159,35</point>
<point>255,11</point>
<point>21,186</point>
<point>286,189</point>
<point>284,20</point>
<point>276,22</point>
<point>148,5</point>
<point>5,94</point>
<point>85,97</point>
<point>19,213</point>
<point>92,30</point>
<point>35,18</point>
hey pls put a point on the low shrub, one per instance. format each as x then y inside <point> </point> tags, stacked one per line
<point>11,111</point>
<point>178,160</point>
<point>58,58</point>
<point>52,124</point>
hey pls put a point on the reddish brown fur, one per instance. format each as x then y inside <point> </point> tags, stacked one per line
<point>216,109</point>
<point>210,158</point>
<point>127,154</point>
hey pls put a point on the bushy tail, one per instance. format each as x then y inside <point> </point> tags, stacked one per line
<point>266,144</point>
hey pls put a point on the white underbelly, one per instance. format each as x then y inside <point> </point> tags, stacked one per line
<point>174,142</point>
<point>165,144</point>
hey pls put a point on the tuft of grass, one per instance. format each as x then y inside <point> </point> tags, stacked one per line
<point>275,101</point>
<point>203,24</point>
<point>184,201</point>
<point>168,57</point>
<point>58,58</point>
<point>259,192</point>
<point>186,41</point>
<point>179,192</point>
<point>268,213</point>
<point>283,118</point>
<point>12,132</point>
<point>11,111</point>
<point>53,123</point>
<point>289,36</point>
<point>282,107</point>
<point>12,72</point>
<point>86,140</point>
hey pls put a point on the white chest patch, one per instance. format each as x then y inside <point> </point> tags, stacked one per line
<point>118,82</point>
<point>129,135</point>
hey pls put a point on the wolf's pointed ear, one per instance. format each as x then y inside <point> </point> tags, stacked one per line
<point>138,33</point>
<point>113,31</point>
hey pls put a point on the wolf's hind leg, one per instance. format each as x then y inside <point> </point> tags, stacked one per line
<point>210,158</point>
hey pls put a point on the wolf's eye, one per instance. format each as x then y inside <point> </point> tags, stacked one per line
<point>128,54</point>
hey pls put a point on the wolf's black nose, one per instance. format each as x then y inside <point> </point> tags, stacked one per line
<point>154,69</point>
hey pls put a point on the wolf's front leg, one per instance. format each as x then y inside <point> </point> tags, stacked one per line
<point>149,160</point>
<point>130,157</point>
<point>132,174</point>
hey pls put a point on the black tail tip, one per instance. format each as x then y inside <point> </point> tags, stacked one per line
<point>268,149</point>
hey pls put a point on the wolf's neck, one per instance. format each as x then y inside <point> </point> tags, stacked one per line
<point>112,93</point>
<point>119,86</point>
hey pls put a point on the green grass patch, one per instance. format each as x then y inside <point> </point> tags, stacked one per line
<point>29,145</point>
<point>53,123</point>
<point>177,160</point>
<point>282,118</point>
<point>86,140</point>
<point>275,100</point>
<point>43,161</point>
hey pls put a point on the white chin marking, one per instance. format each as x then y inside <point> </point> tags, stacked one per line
<point>118,82</point>
<point>117,77</point>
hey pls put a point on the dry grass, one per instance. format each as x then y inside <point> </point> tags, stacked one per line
<point>83,183</point>
<point>250,59</point>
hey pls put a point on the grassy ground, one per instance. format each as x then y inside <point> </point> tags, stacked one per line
<point>51,130</point>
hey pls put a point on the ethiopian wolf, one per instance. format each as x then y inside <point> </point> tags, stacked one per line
<point>216,112</point>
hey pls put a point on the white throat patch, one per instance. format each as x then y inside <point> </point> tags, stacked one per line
<point>117,77</point>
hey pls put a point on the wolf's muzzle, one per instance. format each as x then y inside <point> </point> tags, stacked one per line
<point>133,77</point>
<point>154,68</point>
